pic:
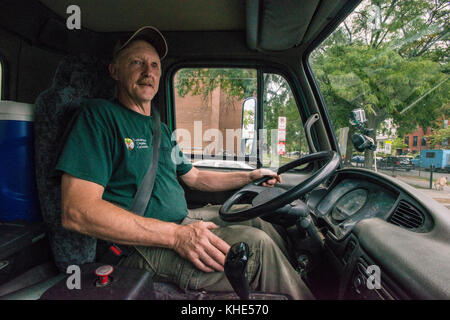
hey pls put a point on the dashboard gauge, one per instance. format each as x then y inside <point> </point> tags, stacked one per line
<point>349,204</point>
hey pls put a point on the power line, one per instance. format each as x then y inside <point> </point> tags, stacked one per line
<point>429,91</point>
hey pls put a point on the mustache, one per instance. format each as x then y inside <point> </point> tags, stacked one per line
<point>146,81</point>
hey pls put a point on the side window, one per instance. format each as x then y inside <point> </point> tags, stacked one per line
<point>282,123</point>
<point>212,125</point>
<point>216,114</point>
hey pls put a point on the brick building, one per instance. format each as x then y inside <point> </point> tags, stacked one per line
<point>196,115</point>
<point>417,141</point>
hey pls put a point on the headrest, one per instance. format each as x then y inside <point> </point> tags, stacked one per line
<point>88,75</point>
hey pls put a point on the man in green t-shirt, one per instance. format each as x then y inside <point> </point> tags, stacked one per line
<point>104,160</point>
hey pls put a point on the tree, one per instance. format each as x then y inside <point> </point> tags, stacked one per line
<point>439,137</point>
<point>382,83</point>
<point>380,60</point>
<point>234,82</point>
<point>279,102</point>
<point>413,28</point>
<point>398,144</point>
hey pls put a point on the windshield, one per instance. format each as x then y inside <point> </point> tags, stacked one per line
<point>389,59</point>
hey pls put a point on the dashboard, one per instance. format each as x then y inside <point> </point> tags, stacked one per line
<point>352,200</point>
<point>370,219</point>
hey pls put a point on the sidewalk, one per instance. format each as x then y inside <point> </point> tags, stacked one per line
<point>441,196</point>
<point>422,183</point>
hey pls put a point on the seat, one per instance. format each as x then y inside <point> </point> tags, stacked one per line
<point>77,77</point>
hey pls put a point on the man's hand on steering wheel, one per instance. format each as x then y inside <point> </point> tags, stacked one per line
<point>259,173</point>
<point>268,201</point>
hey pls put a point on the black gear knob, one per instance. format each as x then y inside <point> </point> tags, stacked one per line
<point>236,267</point>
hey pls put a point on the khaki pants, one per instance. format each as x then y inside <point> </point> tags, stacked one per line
<point>268,269</point>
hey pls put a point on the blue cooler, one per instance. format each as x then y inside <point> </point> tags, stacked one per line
<point>18,192</point>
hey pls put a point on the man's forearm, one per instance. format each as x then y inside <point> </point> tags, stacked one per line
<point>221,181</point>
<point>104,220</point>
<point>194,241</point>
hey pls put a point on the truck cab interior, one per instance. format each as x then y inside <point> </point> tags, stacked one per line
<point>354,233</point>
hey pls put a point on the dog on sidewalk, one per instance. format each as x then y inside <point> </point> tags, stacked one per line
<point>440,183</point>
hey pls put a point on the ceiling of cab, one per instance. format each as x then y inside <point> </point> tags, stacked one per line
<point>270,25</point>
<point>166,15</point>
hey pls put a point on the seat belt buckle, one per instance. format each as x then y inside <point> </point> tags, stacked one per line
<point>124,251</point>
<point>114,249</point>
<point>115,254</point>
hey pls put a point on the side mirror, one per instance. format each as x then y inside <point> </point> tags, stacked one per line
<point>248,127</point>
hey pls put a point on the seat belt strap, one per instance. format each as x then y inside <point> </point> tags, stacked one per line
<point>115,253</point>
<point>143,194</point>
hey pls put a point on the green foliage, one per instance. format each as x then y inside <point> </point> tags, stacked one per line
<point>381,82</point>
<point>234,82</point>
<point>439,136</point>
<point>391,59</point>
<point>279,102</point>
<point>398,144</point>
<point>248,118</point>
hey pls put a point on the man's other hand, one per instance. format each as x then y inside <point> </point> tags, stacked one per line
<point>259,173</point>
<point>198,244</point>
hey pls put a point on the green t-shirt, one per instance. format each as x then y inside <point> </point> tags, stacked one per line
<point>111,145</point>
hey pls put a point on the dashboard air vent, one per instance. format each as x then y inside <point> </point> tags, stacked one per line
<point>407,216</point>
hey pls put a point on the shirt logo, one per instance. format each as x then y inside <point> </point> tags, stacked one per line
<point>129,143</point>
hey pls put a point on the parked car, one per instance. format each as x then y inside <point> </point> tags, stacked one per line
<point>358,159</point>
<point>402,163</point>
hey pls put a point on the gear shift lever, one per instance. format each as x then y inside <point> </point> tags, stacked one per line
<point>235,269</point>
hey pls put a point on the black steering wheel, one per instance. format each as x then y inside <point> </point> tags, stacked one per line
<point>268,200</point>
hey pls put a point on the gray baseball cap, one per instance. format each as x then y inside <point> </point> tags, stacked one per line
<point>149,34</point>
